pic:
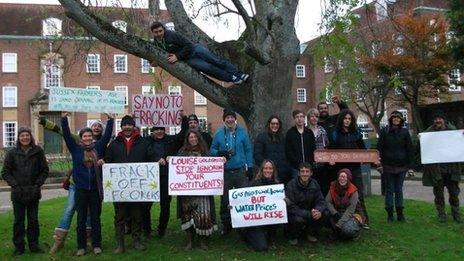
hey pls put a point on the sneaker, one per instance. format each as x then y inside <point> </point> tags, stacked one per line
<point>244,77</point>
<point>236,80</point>
<point>311,239</point>
<point>97,250</point>
<point>293,242</point>
<point>80,252</point>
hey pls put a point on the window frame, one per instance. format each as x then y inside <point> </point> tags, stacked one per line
<point>15,134</point>
<point>57,27</point>
<point>300,71</point>
<point>53,65</point>
<point>97,62</point>
<point>453,83</point>
<point>170,87</point>
<point>199,99</point>
<point>4,104</point>
<point>116,65</point>
<point>298,95</point>
<point>126,92</point>
<point>143,68</point>
<point>14,64</point>
<point>152,89</point>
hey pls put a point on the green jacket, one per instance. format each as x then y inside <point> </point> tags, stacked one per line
<point>432,172</point>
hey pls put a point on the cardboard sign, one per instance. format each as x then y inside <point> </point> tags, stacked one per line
<point>157,110</point>
<point>256,206</point>
<point>85,100</point>
<point>442,146</point>
<point>346,155</point>
<point>131,182</point>
<point>191,176</point>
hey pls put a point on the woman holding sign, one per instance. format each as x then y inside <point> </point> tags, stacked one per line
<point>197,213</point>
<point>86,155</point>
<point>260,237</point>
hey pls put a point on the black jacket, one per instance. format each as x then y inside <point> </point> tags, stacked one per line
<point>395,147</point>
<point>175,43</point>
<point>302,199</point>
<point>207,138</point>
<point>329,123</point>
<point>25,172</point>
<point>116,151</point>
<point>299,147</point>
<point>265,148</point>
<point>339,139</point>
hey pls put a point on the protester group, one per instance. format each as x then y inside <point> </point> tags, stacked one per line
<point>316,195</point>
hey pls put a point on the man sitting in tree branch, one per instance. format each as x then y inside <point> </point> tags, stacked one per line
<point>195,55</point>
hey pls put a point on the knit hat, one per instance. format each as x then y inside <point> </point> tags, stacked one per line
<point>396,114</point>
<point>99,122</point>
<point>127,120</point>
<point>228,112</point>
<point>24,129</point>
<point>193,117</point>
<point>348,173</point>
<point>439,114</point>
<point>157,128</point>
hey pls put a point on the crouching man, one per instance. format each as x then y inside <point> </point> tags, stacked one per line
<point>306,207</point>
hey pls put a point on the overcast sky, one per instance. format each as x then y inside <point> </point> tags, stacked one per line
<point>306,21</point>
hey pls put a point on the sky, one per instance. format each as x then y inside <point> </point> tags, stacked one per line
<point>306,21</point>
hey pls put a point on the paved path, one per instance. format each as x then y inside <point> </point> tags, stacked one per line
<point>5,202</point>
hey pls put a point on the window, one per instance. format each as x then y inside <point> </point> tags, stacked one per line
<point>170,26</point>
<point>120,63</point>
<point>148,89</point>
<point>327,65</point>
<point>301,95</point>
<point>123,89</point>
<point>52,76</point>
<point>175,90</point>
<point>117,125</point>
<point>203,123</point>
<point>454,80</point>
<point>51,27</point>
<point>381,9</point>
<point>398,49</point>
<point>9,62</point>
<point>121,25</point>
<point>405,114</point>
<point>93,87</point>
<point>93,63</point>
<point>328,95</point>
<point>300,71</point>
<point>199,99</point>
<point>10,96</point>
<point>146,67</point>
<point>375,49</point>
<point>9,133</point>
<point>174,130</point>
<point>363,124</point>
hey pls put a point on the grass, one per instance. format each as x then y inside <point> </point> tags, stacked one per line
<point>421,237</point>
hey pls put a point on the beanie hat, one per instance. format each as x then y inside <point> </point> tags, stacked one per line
<point>127,120</point>
<point>348,173</point>
<point>24,129</point>
<point>99,122</point>
<point>157,128</point>
<point>193,117</point>
<point>439,114</point>
<point>396,114</point>
<point>229,112</point>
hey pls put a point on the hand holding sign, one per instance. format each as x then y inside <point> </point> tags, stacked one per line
<point>65,114</point>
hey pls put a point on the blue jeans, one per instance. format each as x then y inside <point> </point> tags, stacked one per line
<point>394,188</point>
<point>205,61</point>
<point>69,209</point>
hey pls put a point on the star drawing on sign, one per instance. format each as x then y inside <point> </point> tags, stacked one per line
<point>108,184</point>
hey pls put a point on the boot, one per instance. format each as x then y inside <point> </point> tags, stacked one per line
<point>456,214</point>
<point>189,244</point>
<point>138,245</point>
<point>441,213</point>
<point>59,237</point>
<point>399,214</point>
<point>390,217</point>
<point>89,237</point>
<point>120,245</point>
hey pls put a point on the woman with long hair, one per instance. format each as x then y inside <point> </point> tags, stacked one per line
<point>270,144</point>
<point>197,213</point>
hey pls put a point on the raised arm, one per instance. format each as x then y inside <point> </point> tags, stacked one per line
<point>70,142</point>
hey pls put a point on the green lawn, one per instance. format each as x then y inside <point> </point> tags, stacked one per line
<point>420,238</point>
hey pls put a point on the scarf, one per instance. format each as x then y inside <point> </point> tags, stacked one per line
<point>90,161</point>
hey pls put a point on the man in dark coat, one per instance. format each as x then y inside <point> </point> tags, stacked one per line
<point>306,207</point>
<point>327,121</point>
<point>299,143</point>
<point>128,147</point>
<point>25,169</point>
<point>441,175</point>
<point>195,55</point>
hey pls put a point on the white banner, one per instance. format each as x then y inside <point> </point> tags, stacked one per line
<point>157,110</point>
<point>442,146</point>
<point>85,100</point>
<point>256,206</point>
<point>131,182</point>
<point>192,176</point>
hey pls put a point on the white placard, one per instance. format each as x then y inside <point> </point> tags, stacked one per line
<point>194,176</point>
<point>442,146</point>
<point>256,206</point>
<point>131,182</point>
<point>86,100</point>
<point>157,110</point>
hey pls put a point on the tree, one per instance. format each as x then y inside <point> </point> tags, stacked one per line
<point>268,49</point>
<point>456,18</point>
